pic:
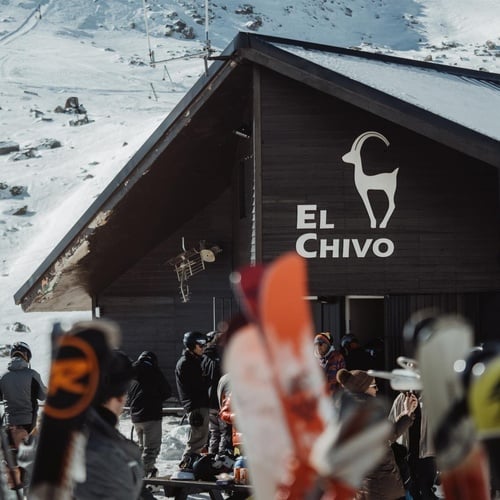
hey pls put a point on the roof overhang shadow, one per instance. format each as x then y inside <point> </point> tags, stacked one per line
<point>186,169</point>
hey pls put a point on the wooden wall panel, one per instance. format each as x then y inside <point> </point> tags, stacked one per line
<point>146,302</point>
<point>445,225</point>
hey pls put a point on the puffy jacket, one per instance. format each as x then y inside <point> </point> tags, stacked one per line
<point>192,382</point>
<point>147,392</point>
<point>21,387</point>
<point>226,415</point>
<point>113,462</point>
<point>331,364</point>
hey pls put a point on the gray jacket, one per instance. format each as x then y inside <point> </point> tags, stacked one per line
<point>113,462</point>
<point>425,447</point>
<point>20,388</point>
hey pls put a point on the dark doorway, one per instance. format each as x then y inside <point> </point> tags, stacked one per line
<point>365,317</point>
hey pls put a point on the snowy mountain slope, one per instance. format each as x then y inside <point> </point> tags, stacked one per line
<point>98,51</point>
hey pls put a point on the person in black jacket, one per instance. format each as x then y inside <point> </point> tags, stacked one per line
<point>146,394</point>
<point>192,386</point>
<point>356,358</point>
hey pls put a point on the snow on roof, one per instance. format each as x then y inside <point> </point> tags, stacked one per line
<point>468,101</point>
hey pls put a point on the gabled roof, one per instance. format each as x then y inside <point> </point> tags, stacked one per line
<point>186,163</point>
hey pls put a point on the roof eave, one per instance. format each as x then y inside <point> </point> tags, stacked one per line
<point>46,285</point>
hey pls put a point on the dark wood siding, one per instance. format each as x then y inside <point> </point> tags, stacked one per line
<point>146,302</point>
<point>243,209</point>
<point>481,310</point>
<point>445,225</point>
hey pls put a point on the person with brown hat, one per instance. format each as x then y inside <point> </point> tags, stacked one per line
<point>329,359</point>
<point>384,481</point>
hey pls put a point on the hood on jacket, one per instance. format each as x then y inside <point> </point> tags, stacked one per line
<point>17,363</point>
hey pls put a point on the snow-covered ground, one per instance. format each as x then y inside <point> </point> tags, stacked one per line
<point>174,438</point>
<point>99,52</point>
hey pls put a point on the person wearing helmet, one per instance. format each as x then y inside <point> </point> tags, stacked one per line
<point>329,359</point>
<point>356,358</point>
<point>20,388</point>
<point>146,394</point>
<point>192,386</point>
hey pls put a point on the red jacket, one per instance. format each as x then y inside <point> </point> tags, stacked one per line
<point>227,415</point>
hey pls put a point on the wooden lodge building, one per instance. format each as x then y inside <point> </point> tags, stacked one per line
<point>382,172</point>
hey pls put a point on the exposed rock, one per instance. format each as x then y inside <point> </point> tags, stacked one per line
<point>255,24</point>
<point>179,25</point>
<point>25,154</point>
<point>17,190</point>
<point>36,113</point>
<point>7,147</point>
<point>79,122</point>
<point>245,9</point>
<point>71,103</point>
<point>19,327</point>
<point>136,61</point>
<point>71,106</point>
<point>49,144</point>
<point>188,33</point>
<point>21,211</point>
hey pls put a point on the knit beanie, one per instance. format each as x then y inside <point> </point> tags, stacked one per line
<point>354,380</point>
<point>325,337</point>
<point>116,377</point>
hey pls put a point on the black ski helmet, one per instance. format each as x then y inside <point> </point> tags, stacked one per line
<point>347,339</point>
<point>192,338</point>
<point>22,349</point>
<point>148,357</point>
<point>417,327</point>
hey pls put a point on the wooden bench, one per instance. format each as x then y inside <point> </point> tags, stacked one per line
<point>181,488</point>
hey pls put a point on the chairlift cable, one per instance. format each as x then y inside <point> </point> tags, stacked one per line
<point>204,52</point>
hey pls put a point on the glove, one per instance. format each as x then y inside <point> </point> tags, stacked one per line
<point>195,419</point>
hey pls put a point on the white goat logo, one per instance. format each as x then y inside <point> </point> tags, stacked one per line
<point>386,181</point>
